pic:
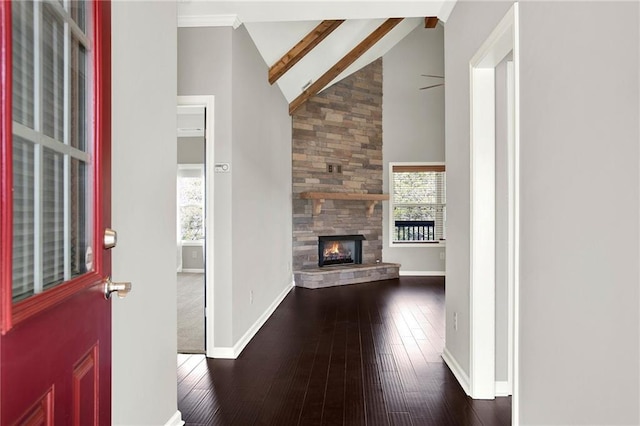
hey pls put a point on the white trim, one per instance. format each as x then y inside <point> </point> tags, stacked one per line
<point>190,133</point>
<point>422,273</point>
<point>503,388</point>
<point>439,244</point>
<point>457,370</point>
<point>236,350</point>
<point>175,420</point>
<point>186,21</point>
<point>515,300</point>
<point>502,40</point>
<point>222,353</point>
<point>511,209</point>
<point>482,238</point>
<point>208,102</point>
<point>446,9</point>
<point>192,243</point>
<point>192,270</point>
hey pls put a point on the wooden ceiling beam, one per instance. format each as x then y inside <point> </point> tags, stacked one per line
<point>343,63</point>
<point>304,46</point>
<point>430,21</point>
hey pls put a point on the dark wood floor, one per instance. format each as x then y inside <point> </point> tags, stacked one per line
<point>365,354</point>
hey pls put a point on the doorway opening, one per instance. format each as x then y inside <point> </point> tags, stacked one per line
<point>501,43</point>
<point>194,224</point>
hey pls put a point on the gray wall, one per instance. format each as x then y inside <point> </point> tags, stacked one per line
<point>204,68</point>
<point>144,202</point>
<point>193,257</point>
<point>252,132</point>
<point>261,196</point>
<point>468,26</point>
<point>579,298</point>
<point>580,160</point>
<point>191,150</point>
<point>412,126</point>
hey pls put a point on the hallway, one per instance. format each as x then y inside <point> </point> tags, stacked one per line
<point>365,354</point>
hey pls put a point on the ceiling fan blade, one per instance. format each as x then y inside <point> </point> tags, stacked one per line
<point>430,75</point>
<point>432,86</point>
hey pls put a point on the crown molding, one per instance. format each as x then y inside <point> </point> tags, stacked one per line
<point>186,21</point>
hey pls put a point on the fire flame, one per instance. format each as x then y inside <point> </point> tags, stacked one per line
<point>334,249</point>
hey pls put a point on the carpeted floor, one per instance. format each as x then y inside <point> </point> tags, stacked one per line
<point>190,313</point>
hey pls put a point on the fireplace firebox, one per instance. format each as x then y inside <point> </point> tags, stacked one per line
<point>339,249</point>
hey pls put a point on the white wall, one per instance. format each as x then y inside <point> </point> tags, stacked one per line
<point>144,208</point>
<point>253,202</point>
<point>579,295</point>
<point>262,209</point>
<point>580,214</point>
<point>412,126</point>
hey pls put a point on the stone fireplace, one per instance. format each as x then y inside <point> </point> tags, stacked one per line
<point>337,148</point>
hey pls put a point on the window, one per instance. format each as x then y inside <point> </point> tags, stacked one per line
<point>51,145</point>
<point>191,202</point>
<point>418,203</point>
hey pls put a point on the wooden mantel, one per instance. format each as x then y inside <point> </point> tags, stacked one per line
<point>319,197</point>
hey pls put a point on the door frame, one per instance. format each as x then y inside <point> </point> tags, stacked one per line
<point>502,40</point>
<point>209,170</point>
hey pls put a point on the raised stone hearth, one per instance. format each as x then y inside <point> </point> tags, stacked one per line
<point>348,274</point>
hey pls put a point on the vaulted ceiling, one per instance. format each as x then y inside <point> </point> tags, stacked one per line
<point>309,45</point>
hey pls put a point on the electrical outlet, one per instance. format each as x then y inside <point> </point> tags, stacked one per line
<point>251,297</point>
<point>442,253</point>
<point>329,168</point>
<point>194,254</point>
<point>338,168</point>
<point>455,321</point>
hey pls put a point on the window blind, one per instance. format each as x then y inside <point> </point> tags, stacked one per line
<point>419,202</point>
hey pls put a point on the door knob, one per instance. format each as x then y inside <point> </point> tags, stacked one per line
<point>121,289</point>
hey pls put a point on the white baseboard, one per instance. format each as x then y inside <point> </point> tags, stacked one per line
<point>236,350</point>
<point>223,352</point>
<point>503,388</point>
<point>457,371</point>
<point>422,273</point>
<point>175,420</point>
<point>193,271</point>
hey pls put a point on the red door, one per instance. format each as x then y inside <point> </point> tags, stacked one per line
<point>55,322</point>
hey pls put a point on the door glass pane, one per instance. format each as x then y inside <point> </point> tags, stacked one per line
<point>52,175</point>
<point>23,218</point>
<point>80,226</point>
<point>79,95</point>
<point>52,219</point>
<point>23,77</point>
<point>79,13</point>
<point>52,73</point>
